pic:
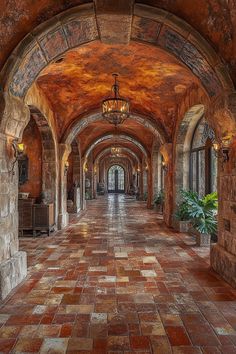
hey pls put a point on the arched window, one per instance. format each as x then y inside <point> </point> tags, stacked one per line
<point>203,161</point>
<point>116,179</point>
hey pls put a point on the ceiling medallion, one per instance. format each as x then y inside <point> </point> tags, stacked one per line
<point>115,109</point>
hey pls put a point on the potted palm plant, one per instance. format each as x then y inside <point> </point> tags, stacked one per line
<point>202,213</point>
<point>181,217</point>
<point>159,200</point>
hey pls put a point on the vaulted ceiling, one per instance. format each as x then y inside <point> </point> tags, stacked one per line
<point>215,20</point>
<point>153,81</point>
<point>154,77</point>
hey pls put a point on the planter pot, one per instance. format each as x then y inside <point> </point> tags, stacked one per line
<point>202,240</point>
<point>158,208</point>
<point>182,225</point>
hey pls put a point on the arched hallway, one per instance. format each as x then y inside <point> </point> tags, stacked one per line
<point>117,280</point>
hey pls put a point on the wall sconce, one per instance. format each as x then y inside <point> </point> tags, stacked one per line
<point>85,168</point>
<point>95,170</point>
<point>146,167</point>
<point>66,168</point>
<point>222,148</point>
<point>164,165</point>
<point>18,149</point>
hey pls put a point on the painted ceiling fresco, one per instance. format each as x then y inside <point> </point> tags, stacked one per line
<point>153,81</point>
<point>215,20</point>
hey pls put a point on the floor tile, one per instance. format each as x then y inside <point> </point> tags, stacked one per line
<point>117,281</point>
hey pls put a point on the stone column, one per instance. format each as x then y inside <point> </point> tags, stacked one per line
<point>95,181</point>
<point>155,170</point>
<point>141,189</point>
<point>150,183</point>
<point>82,185</point>
<point>223,254</point>
<point>13,263</point>
<point>49,170</point>
<point>63,217</point>
<point>76,182</point>
<point>166,151</point>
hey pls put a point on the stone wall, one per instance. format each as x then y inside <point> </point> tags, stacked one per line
<point>223,254</point>
<point>13,265</point>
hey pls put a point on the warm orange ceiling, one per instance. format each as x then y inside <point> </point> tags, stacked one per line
<point>215,20</point>
<point>150,78</point>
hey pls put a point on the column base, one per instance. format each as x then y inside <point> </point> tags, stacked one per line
<point>63,220</point>
<point>12,272</point>
<point>224,263</point>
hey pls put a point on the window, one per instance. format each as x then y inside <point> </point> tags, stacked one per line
<point>203,161</point>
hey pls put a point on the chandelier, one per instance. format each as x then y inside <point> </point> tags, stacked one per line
<point>115,109</point>
<point>115,151</point>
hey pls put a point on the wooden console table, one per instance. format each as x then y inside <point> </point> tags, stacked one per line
<point>35,217</point>
<point>25,207</point>
<point>43,218</point>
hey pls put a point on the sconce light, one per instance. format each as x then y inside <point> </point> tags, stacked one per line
<point>138,170</point>
<point>66,167</point>
<point>85,168</point>
<point>18,149</point>
<point>95,170</point>
<point>222,148</point>
<point>164,165</point>
<point>146,167</point>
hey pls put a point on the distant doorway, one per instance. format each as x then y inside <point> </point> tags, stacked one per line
<point>116,179</point>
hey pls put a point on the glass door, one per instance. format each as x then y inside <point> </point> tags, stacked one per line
<point>116,179</point>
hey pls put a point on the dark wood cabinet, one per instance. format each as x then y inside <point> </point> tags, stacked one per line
<point>43,217</point>
<point>25,207</point>
<point>35,217</point>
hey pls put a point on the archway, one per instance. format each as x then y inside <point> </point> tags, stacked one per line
<point>184,136</point>
<point>51,41</point>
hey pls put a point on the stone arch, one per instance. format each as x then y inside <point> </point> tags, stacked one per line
<point>49,160</point>
<point>132,156</point>
<point>123,148</point>
<point>117,136</point>
<point>169,32</point>
<point>78,125</point>
<point>181,152</point>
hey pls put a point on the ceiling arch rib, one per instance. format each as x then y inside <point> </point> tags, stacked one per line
<point>79,125</point>
<point>78,26</point>
<point>107,150</point>
<point>115,161</point>
<point>115,137</point>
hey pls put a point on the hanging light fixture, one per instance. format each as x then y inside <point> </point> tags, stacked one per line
<point>115,150</point>
<point>115,109</point>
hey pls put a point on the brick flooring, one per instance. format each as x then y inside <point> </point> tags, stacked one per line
<point>118,281</point>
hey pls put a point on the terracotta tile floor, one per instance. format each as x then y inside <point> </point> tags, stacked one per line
<point>118,281</point>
